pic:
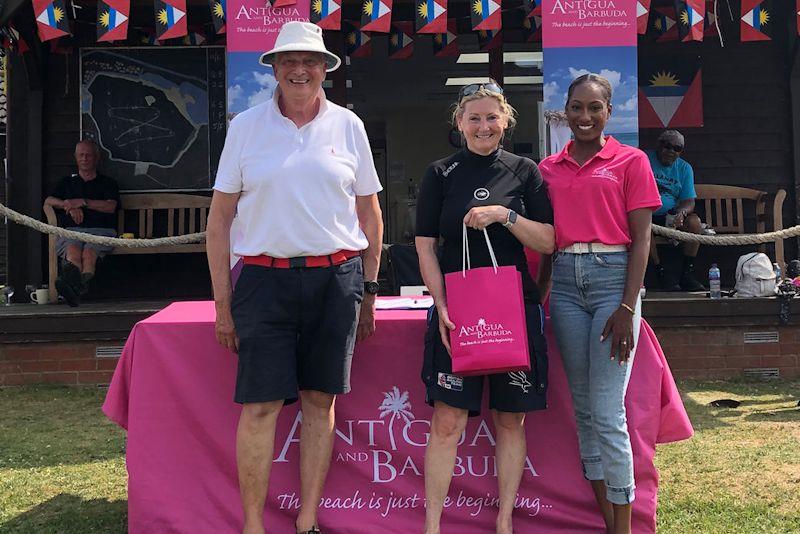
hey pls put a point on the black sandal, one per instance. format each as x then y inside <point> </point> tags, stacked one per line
<point>313,530</point>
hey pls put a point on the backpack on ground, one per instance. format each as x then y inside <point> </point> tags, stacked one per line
<point>755,276</point>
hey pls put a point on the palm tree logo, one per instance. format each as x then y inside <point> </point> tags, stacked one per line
<point>481,322</point>
<point>396,404</point>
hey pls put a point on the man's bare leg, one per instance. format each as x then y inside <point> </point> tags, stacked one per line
<point>255,441</point>
<point>316,447</point>
<point>88,261</point>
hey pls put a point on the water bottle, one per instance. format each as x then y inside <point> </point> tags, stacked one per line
<point>713,282</point>
<point>777,268</point>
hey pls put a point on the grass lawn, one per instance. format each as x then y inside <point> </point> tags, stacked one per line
<point>62,464</point>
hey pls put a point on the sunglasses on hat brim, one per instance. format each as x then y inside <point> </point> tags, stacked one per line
<point>473,88</point>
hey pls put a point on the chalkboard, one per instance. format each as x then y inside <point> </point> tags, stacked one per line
<point>157,114</point>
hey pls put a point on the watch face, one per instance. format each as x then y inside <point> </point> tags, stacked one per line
<point>371,288</point>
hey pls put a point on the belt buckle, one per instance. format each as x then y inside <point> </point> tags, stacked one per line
<point>297,262</point>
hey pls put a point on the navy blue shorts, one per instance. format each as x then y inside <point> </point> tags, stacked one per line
<point>516,392</point>
<point>297,330</point>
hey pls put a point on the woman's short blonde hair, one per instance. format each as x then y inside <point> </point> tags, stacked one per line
<point>505,107</point>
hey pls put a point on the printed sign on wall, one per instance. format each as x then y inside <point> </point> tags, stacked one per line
<point>597,37</point>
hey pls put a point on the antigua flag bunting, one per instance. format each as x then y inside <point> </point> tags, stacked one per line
<point>446,44</point>
<point>533,8</point>
<point>195,37</point>
<point>670,92</point>
<point>757,20</point>
<point>218,16</point>
<point>486,14</point>
<point>148,36</point>
<point>357,43</point>
<point>376,16</point>
<point>112,20</point>
<point>401,41</point>
<point>488,39</point>
<point>662,24</point>
<point>642,16</point>
<point>12,40</point>
<point>51,19</point>
<point>170,19</point>
<point>691,16</point>
<point>327,14</point>
<point>431,16</point>
<point>532,29</point>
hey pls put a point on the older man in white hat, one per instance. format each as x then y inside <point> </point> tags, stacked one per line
<point>298,173</point>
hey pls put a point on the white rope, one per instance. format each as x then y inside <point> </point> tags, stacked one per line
<point>199,237</point>
<point>726,240</point>
<point>96,239</point>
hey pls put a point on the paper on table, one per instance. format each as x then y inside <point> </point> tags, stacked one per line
<point>404,303</point>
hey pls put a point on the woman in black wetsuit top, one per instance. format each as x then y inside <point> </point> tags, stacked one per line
<point>481,186</point>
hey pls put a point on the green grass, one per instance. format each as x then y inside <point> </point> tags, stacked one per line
<point>62,463</point>
<point>741,471</point>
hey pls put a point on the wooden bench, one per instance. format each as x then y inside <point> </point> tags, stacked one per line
<point>177,214</point>
<point>723,208</point>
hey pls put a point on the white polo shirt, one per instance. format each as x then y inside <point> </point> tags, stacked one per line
<point>298,185</point>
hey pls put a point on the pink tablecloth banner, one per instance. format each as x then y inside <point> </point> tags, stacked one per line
<point>173,389</point>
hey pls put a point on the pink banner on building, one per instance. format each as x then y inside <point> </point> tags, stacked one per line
<point>591,36</point>
<point>253,25</point>
<point>173,390</point>
<point>589,23</point>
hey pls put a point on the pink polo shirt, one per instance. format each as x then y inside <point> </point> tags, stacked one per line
<point>591,203</point>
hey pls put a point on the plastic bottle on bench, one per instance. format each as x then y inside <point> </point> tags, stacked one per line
<point>778,275</point>
<point>715,291</point>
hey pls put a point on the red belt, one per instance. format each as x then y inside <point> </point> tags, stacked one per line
<point>336,258</point>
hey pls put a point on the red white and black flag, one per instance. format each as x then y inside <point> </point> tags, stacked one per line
<point>112,20</point>
<point>670,92</point>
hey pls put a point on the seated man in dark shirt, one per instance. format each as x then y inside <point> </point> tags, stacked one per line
<point>84,202</point>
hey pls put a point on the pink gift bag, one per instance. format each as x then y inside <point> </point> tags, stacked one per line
<point>486,305</point>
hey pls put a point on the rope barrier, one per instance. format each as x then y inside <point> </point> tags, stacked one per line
<point>199,237</point>
<point>726,240</point>
<point>96,239</point>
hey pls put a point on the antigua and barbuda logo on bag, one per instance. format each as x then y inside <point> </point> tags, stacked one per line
<point>484,331</point>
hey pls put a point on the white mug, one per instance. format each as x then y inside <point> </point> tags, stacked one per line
<point>40,296</point>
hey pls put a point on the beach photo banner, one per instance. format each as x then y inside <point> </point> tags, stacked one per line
<point>581,37</point>
<point>252,28</point>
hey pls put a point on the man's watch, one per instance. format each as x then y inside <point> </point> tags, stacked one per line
<point>371,287</point>
<point>511,218</point>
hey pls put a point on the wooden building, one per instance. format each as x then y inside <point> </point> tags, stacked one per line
<point>751,112</point>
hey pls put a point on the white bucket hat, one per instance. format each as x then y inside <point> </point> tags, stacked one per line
<point>296,36</point>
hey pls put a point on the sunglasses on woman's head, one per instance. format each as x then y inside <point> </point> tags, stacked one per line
<point>473,88</point>
<point>670,146</point>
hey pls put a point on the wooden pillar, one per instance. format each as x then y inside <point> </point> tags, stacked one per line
<point>794,89</point>
<point>24,149</point>
<point>496,64</point>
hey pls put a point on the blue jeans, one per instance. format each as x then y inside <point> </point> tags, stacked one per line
<point>587,289</point>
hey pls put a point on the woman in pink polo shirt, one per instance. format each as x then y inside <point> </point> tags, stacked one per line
<point>603,195</point>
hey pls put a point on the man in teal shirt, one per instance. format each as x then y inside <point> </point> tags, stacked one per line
<point>675,179</point>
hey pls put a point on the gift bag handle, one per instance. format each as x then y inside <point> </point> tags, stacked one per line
<point>465,262</point>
